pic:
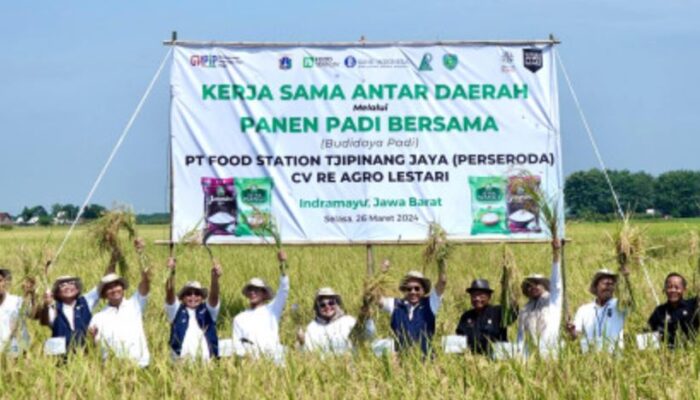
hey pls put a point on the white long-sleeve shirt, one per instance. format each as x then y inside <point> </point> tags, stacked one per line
<point>9,317</point>
<point>547,311</point>
<point>194,344</point>
<point>257,329</point>
<point>120,329</point>
<point>601,326</point>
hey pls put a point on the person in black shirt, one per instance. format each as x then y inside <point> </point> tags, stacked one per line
<point>677,313</point>
<point>483,324</point>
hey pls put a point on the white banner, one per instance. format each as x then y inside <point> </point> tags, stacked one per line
<point>363,144</point>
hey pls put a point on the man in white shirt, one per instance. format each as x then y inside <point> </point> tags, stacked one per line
<point>192,316</point>
<point>118,328</point>
<point>10,306</point>
<point>601,322</point>
<point>256,330</point>
<point>539,321</point>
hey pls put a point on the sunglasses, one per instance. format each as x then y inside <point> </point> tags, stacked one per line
<point>190,293</point>
<point>327,303</point>
<point>412,289</point>
<point>67,284</point>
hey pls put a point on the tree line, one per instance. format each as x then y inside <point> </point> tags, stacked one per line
<point>674,193</point>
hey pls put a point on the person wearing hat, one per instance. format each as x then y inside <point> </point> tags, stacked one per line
<point>118,327</point>
<point>678,319</point>
<point>540,319</point>
<point>67,311</point>
<point>330,330</point>
<point>413,316</point>
<point>483,324</point>
<point>192,315</point>
<point>600,323</point>
<point>256,329</point>
<point>10,306</point>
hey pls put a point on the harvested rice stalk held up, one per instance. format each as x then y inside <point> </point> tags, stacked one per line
<point>509,286</point>
<point>438,248</point>
<point>106,232</point>
<point>629,251</point>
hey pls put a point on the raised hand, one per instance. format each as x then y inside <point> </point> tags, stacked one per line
<point>171,265</point>
<point>385,266</point>
<point>139,245</point>
<point>216,270</point>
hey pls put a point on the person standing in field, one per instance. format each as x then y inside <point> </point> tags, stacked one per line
<point>677,320</point>
<point>256,329</point>
<point>330,330</point>
<point>540,319</point>
<point>67,311</point>
<point>192,316</point>
<point>600,324</point>
<point>483,324</point>
<point>413,316</point>
<point>118,327</point>
<point>10,306</point>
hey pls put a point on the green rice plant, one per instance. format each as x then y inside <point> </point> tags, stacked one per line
<point>510,289</point>
<point>106,230</point>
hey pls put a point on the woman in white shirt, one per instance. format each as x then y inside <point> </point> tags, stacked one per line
<point>330,329</point>
<point>192,316</point>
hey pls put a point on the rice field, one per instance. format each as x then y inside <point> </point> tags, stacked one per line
<point>634,374</point>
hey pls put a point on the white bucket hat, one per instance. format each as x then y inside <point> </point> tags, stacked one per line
<point>109,279</point>
<point>258,283</point>
<point>415,276</point>
<point>193,285</point>
<point>66,278</point>
<point>600,274</point>
<point>328,292</point>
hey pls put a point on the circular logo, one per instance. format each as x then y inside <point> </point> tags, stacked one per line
<point>350,61</point>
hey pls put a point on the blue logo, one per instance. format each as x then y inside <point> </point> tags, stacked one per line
<point>350,61</point>
<point>285,63</point>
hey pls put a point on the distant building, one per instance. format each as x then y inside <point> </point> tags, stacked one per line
<point>33,221</point>
<point>5,219</point>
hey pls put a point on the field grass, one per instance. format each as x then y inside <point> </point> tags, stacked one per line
<point>635,374</point>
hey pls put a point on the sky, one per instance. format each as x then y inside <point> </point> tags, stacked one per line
<point>72,73</point>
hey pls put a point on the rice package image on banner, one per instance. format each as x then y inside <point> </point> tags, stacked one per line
<point>523,210</point>
<point>254,201</point>
<point>220,209</point>
<point>488,205</point>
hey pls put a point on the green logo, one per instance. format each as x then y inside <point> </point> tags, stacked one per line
<point>308,62</point>
<point>254,195</point>
<point>425,62</point>
<point>489,194</point>
<point>450,61</point>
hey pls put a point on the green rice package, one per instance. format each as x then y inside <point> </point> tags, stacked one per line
<point>254,200</point>
<point>488,205</point>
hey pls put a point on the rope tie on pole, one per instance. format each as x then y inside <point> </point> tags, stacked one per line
<point>602,164</point>
<point>107,164</point>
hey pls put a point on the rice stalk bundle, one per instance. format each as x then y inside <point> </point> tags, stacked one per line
<point>375,287</point>
<point>264,226</point>
<point>438,248</point>
<point>547,208</point>
<point>106,230</point>
<point>629,250</point>
<point>510,278</point>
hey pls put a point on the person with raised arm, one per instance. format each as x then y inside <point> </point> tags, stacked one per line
<point>256,329</point>
<point>540,319</point>
<point>192,315</point>
<point>118,327</point>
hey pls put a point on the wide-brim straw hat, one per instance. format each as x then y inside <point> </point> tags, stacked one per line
<point>600,274</point>
<point>110,279</point>
<point>193,285</point>
<point>258,283</point>
<point>480,285</point>
<point>538,279</point>
<point>415,276</point>
<point>328,292</point>
<point>66,278</point>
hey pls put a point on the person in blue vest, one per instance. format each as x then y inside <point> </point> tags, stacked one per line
<point>67,311</point>
<point>413,316</point>
<point>192,315</point>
